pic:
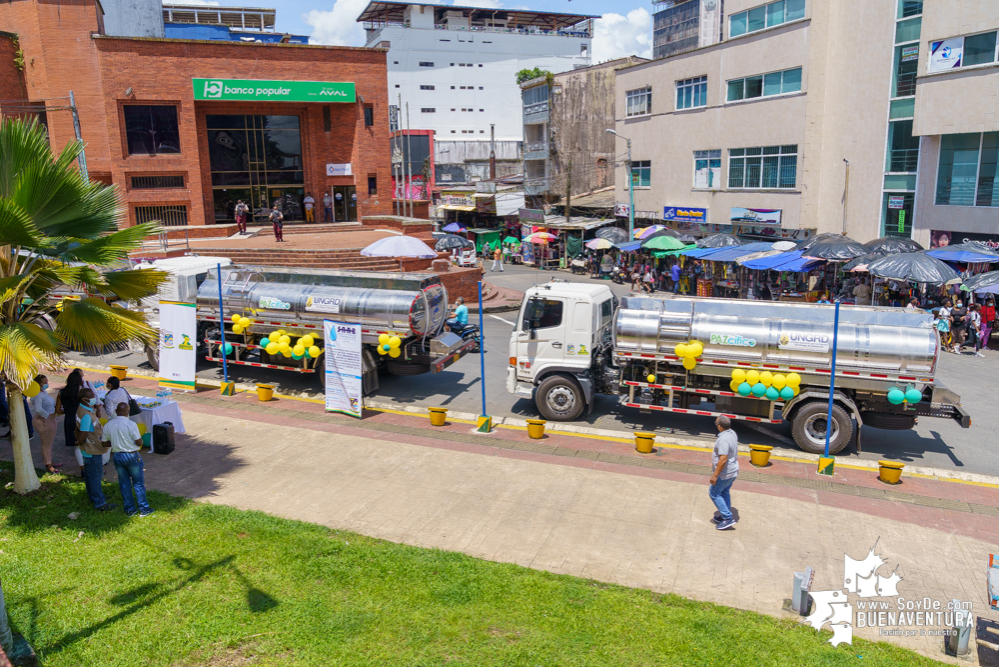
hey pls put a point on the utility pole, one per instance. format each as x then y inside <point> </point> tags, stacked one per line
<point>568,191</point>
<point>492,151</point>
<point>631,188</point>
<point>79,137</point>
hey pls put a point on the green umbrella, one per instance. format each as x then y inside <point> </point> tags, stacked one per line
<point>664,243</point>
<point>672,253</point>
<point>511,239</point>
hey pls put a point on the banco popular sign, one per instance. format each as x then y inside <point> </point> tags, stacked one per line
<point>253,90</point>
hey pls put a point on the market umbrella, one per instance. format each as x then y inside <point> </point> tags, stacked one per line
<point>860,263</point>
<point>889,245</point>
<point>664,242</point>
<point>512,240</point>
<point>758,255</point>
<point>599,244</point>
<point>613,234</point>
<point>451,241</point>
<point>540,237</point>
<point>785,245</point>
<point>821,238</point>
<point>454,227</point>
<point>970,252</point>
<point>719,241</point>
<point>661,232</point>
<point>834,250</point>
<point>915,267</point>
<point>688,239</point>
<point>649,231</point>
<point>399,246</point>
<point>981,281</point>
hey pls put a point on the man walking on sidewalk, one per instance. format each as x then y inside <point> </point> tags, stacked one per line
<point>241,211</point>
<point>327,208</point>
<point>497,258</point>
<point>126,441</point>
<point>725,466</point>
<point>277,220</point>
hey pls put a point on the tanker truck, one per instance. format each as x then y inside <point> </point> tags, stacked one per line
<point>410,306</point>
<point>759,361</point>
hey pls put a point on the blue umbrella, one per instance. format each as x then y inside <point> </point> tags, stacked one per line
<point>400,246</point>
<point>454,227</point>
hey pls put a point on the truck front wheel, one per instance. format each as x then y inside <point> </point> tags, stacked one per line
<point>809,428</point>
<point>560,399</point>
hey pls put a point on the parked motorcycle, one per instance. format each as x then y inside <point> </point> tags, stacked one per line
<point>469,332</point>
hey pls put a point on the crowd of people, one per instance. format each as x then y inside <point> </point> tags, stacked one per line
<point>962,324</point>
<point>98,431</point>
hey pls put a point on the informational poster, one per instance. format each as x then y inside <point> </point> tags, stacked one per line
<point>896,202</point>
<point>343,367</point>
<point>910,53</point>
<point>946,54</point>
<point>178,342</point>
<point>756,216</point>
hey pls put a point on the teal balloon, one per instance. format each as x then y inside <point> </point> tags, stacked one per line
<point>787,393</point>
<point>228,348</point>
<point>265,341</point>
<point>896,396</point>
<point>759,389</point>
<point>386,347</point>
<point>745,389</point>
<point>913,396</point>
<point>296,357</point>
<point>147,439</point>
<point>772,394</point>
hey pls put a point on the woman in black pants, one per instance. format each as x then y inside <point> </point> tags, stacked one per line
<point>67,402</point>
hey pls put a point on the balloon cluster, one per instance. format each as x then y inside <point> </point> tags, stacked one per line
<point>32,390</point>
<point>897,396</point>
<point>389,345</point>
<point>279,342</point>
<point>240,324</point>
<point>689,352</point>
<point>772,386</point>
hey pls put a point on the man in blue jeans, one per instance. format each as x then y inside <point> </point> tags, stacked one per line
<point>126,441</point>
<point>725,466</point>
<point>460,319</point>
<point>674,275</point>
<point>88,438</point>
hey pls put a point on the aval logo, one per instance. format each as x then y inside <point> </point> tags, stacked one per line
<point>213,89</point>
<point>332,92</point>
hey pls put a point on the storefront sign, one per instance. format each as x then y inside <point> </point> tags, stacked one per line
<point>942,239</point>
<point>774,233</point>
<point>485,205</point>
<point>910,53</point>
<point>339,170</point>
<point>805,342</point>
<point>901,222</point>
<point>178,335</point>
<point>622,210</point>
<point>252,90</point>
<point>683,214</point>
<point>531,215</point>
<point>946,54</point>
<point>756,216</point>
<point>458,200</point>
<point>896,202</point>
<point>343,367</point>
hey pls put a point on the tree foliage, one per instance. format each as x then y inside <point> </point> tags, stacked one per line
<point>528,74</point>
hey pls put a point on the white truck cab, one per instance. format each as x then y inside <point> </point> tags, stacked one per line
<point>559,331</point>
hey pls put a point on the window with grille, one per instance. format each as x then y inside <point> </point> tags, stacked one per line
<point>170,215</point>
<point>692,93</point>
<point>428,110</point>
<point>155,182</point>
<point>369,117</point>
<point>771,167</point>
<point>639,102</point>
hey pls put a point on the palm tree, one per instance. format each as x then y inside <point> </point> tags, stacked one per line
<point>59,233</point>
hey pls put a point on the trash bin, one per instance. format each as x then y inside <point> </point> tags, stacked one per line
<point>644,441</point>
<point>265,392</point>
<point>890,472</point>
<point>119,372</point>
<point>536,428</point>
<point>759,455</point>
<point>437,416</point>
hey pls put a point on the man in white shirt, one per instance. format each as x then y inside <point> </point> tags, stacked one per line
<point>114,396</point>
<point>327,208</point>
<point>126,441</point>
<point>310,203</point>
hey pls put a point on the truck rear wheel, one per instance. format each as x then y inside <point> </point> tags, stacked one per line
<point>809,428</point>
<point>560,399</point>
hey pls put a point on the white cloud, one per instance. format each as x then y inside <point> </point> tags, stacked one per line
<point>200,3</point>
<point>617,36</point>
<point>339,26</point>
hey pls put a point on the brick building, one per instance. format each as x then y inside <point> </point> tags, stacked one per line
<point>184,128</point>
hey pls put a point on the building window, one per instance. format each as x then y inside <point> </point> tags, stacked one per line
<point>327,119</point>
<point>765,16</point>
<point>369,116</point>
<point>958,52</point>
<point>172,215</point>
<point>967,172</point>
<point>903,82</point>
<point>765,85</point>
<point>641,173</point>
<point>424,87</point>
<point>903,148</point>
<point>907,8</point>
<point>157,182</point>
<point>763,167</point>
<point>425,63</point>
<point>707,170</point>
<point>692,93</point>
<point>372,185</point>
<point>639,102</point>
<point>429,110</point>
<point>150,130</point>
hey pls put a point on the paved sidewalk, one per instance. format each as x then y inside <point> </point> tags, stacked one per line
<point>584,506</point>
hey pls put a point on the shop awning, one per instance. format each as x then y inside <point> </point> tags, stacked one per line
<point>698,253</point>
<point>962,256</point>
<point>453,207</point>
<point>771,262</point>
<point>558,222</point>
<point>630,246</point>
<point>801,264</point>
<point>483,195</point>
<point>732,253</point>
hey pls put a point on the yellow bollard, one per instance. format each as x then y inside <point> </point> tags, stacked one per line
<point>644,441</point>
<point>265,392</point>
<point>759,455</point>
<point>890,472</point>
<point>119,372</point>
<point>437,416</point>
<point>228,389</point>
<point>536,428</point>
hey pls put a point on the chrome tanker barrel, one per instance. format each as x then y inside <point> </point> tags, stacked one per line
<point>870,338</point>
<point>405,304</point>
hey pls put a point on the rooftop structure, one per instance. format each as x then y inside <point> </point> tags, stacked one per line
<point>378,15</point>
<point>237,18</point>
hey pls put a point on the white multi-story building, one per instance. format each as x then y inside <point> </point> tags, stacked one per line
<point>457,66</point>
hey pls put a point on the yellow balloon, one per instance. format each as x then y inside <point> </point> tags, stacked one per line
<point>739,375</point>
<point>394,352</point>
<point>103,420</point>
<point>273,349</point>
<point>314,351</point>
<point>779,381</point>
<point>281,332</point>
<point>142,429</point>
<point>651,378</point>
<point>395,341</point>
<point>752,377</point>
<point>795,390</point>
<point>245,322</point>
<point>381,350</point>
<point>299,350</point>
<point>283,345</point>
<point>767,378</point>
<point>275,335</point>
<point>32,390</point>
<point>734,385</point>
<point>680,350</point>
<point>689,363</point>
<point>285,338</point>
<point>237,329</point>
<point>235,319</point>
<point>383,339</point>
<point>307,341</point>
<point>695,349</point>
<point>792,380</point>
<point>286,351</point>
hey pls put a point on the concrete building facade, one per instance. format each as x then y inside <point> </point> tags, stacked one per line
<point>805,118</point>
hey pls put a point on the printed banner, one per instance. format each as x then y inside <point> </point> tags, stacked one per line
<point>622,210</point>
<point>946,54</point>
<point>178,340</point>
<point>756,216</point>
<point>343,367</point>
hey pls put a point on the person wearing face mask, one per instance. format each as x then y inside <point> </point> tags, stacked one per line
<point>44,420</point>
<point>89,434</point>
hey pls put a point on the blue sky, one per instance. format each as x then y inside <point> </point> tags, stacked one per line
<point>624,29</point>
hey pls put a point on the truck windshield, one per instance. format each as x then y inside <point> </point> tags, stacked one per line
<point>542,314</point>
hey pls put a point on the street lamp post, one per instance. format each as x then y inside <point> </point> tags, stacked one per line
<point>631,189</point>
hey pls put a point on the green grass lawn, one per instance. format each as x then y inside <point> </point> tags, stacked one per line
<point>197,584</point>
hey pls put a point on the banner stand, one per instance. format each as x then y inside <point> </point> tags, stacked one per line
<point>342,348</point>
<point>178,345</point>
